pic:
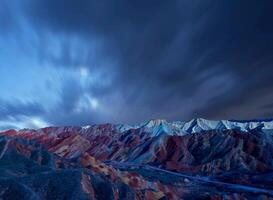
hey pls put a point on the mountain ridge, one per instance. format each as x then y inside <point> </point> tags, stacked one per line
<point>172,128</point>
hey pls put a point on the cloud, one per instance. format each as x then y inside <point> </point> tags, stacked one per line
<point>17,114</point>
<point>17,108</point>
<point>23,122</point>
<point>136,60</point>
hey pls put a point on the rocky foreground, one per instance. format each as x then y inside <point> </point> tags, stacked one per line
<point>200,159</point>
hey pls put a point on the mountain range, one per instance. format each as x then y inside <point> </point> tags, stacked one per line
<point>156,159</point>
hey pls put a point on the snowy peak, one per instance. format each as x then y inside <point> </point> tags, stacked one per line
<point>155,122</point>
<point>160,126</point>
<point>156,127</point>
<point>200,124</point>
<point>197,125</point>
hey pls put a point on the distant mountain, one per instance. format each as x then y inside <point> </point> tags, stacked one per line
<point>199,125</point>
<point>199,159</point>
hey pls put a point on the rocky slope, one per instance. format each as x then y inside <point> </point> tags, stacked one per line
<point>200,159</point>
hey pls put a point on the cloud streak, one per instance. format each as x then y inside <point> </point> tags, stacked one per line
<point>158,59</point>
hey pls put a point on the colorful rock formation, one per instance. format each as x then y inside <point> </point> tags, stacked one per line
<point>153,160</point>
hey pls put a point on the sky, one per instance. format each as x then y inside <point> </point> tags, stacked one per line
<point>67,62</point>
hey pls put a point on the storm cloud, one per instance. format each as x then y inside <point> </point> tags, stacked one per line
<point>129,61</point>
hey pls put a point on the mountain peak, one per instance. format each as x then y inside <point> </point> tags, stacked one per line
<point>155,122</point>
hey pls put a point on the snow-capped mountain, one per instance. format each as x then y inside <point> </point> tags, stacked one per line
<point>159,126</point>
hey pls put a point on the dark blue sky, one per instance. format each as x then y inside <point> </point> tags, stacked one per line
<point>67,62</point>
